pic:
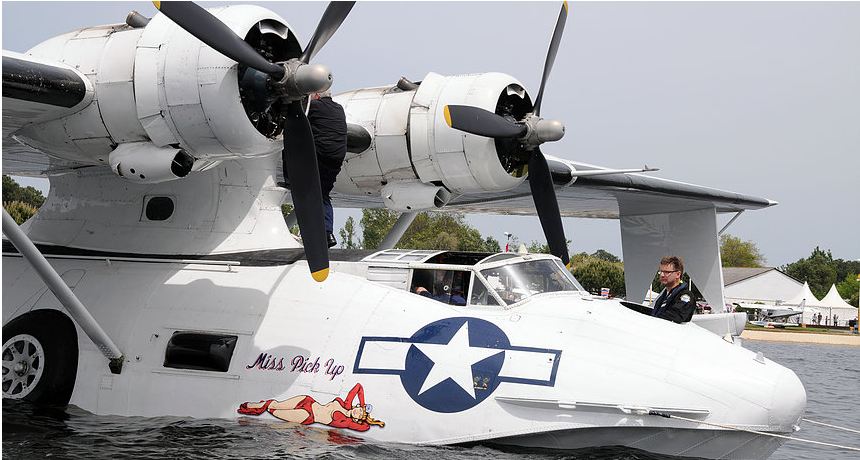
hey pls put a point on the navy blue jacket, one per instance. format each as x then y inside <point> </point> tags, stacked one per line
<point>677,305</point>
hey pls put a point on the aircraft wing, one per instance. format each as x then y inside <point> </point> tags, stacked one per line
<point>609,196</point>
<point>38,90</point>
<point>771,311</point>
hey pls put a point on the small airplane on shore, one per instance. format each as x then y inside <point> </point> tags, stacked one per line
<point>175,287</point>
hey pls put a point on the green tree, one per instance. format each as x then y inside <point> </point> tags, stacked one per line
<point>429,230</point>
<point>595,273</point>
<point>436,230</point>
<point>491,245</point>
<point>848,288</point>
<point>348,235</point>
<point>19,210</point>
<point>605,255</point>
<point>375,224</point>
<point>846,267</point>
<point>536,247</point>
<point>12,191</point>
<point>735,252</point>
<point>818,270</point>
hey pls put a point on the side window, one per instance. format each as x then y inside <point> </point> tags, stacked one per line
<point>158,208</point>
<point>480,295</point>
<point>446,286</point>
<point>195,350</point>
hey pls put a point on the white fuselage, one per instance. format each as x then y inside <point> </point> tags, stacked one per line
<point>570,362</point>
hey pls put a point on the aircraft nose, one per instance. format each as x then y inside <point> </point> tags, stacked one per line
<point>788,402</point>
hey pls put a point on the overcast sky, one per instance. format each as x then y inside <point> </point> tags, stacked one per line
<point>757,98</point>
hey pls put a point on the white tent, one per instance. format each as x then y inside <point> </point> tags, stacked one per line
<point>812,306</point>
<point>835,305</point>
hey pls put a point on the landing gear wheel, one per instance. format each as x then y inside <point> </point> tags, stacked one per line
<point>23,363</point>
<point>40,358</point>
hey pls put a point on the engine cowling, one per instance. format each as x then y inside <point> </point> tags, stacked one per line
<point>412,142</point>
<point>157,84</point>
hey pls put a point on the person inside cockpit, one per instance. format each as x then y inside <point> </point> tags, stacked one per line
<point>676,302</point>
<point>446,286</point>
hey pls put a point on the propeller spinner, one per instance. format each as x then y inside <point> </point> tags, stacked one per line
<point>292,81</point>
<point>530,132</point>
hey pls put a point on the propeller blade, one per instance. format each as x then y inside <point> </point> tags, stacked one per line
<point>331,20</point>
<point>300,167</point>
<point>208,29</point>
<point>482,122</point>
<point>546,204</point>
<point>550,54</point>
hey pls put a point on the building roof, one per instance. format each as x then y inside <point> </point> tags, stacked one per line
<point>732,275</point>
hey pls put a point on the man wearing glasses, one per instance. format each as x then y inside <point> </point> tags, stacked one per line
<point>675,303</point>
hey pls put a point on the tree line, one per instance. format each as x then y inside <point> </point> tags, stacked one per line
<point>821,271</point>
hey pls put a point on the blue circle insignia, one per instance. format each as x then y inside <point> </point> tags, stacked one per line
<point>454,363</point>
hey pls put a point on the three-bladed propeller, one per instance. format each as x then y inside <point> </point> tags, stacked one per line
<point>530,132</point>
<point>292,81</point>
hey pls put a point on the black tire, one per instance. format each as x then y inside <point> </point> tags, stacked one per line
<point>55,334</point>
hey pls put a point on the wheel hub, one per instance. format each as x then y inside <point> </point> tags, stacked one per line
<point>23,363</point>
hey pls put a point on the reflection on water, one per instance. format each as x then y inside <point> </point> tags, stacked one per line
<point>829,373</point>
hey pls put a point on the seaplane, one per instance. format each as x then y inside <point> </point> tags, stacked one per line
<point>161,278</point>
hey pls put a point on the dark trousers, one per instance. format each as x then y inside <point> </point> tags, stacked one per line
<point>329,214</point>
<point>327,179</point>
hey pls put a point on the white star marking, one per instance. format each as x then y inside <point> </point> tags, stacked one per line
<point>454,360</point>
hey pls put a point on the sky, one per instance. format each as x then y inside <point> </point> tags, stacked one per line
<point>759,98</point>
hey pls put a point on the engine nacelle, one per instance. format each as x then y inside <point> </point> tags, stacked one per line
<point>412,142</point>
<point>145,163</point>
<point>158,84</point>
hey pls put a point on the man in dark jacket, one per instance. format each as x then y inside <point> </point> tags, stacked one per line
<point>676,302</point>
<point>328,123</point>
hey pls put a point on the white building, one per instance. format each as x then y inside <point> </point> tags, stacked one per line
<point>766,285</point>
<point>772,287</point>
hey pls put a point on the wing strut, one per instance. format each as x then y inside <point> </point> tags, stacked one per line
<point>725,227</point>
<point>74,307</point>
<point>398,230</point>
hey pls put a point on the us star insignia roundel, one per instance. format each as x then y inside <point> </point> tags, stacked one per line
<point>454,364</point>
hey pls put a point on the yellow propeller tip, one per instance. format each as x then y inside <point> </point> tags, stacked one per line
<point>566,7</point>
<point>320,275</point>
<point>569,265</point>
<point>448,117</point>
<point>157,4</point>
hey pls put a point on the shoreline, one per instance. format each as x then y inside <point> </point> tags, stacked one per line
<point>800,337</point>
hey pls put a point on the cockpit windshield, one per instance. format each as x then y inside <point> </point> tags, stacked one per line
<point>518,281</point>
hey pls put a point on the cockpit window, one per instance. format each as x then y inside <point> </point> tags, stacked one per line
<point>480,296</point>
<point>446,286</point>
<point>519,281</point>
